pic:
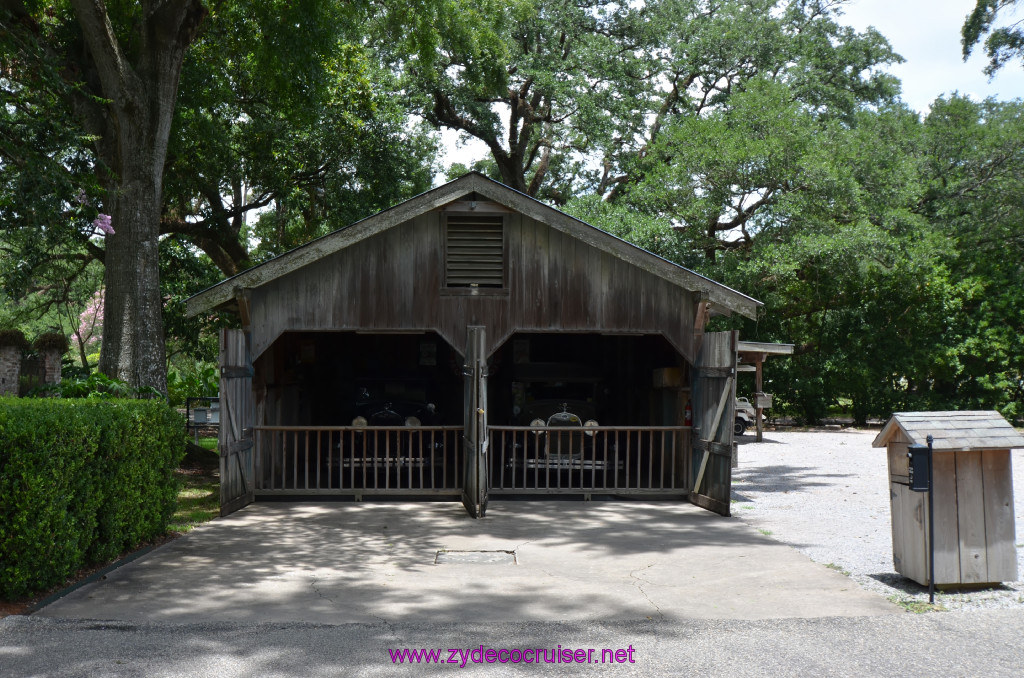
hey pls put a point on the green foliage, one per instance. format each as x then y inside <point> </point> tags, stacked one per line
<point>96,386</point>
<point>651,232</point>
<point>1002,43</point>
<point>48,172</point>
<point>975,198</point>
<point>538,81</point>
<point>287,128</point>
<point>193,379</point>
<point>82,482</point>
<point>897,270</point>
<point>572,98</point>
<point>182,274</point>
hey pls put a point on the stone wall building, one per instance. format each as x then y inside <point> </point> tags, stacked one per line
<point>10,370</point>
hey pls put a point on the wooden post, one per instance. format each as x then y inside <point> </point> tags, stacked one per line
<point>758,388</point>
<point>474,492</point>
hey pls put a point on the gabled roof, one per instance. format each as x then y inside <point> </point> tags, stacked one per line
<point>722,298</point>
<point>979,430</point>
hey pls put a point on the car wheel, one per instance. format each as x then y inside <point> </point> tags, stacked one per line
<point>739,427</point>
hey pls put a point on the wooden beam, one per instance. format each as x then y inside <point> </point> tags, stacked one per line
<point>470,206</point>
<point>700,473</point>
<point>244,300</point>
<point>700,321</point>
<point>721,408</point>
<point>722,401</point>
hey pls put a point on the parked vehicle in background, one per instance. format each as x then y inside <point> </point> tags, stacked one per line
<point>746,415</point>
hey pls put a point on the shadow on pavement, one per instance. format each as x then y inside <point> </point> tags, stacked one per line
<point>782,478</point>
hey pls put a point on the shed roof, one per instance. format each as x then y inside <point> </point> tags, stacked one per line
<point>976,430</point>
<point>767,347</point>
<point>724,299</point>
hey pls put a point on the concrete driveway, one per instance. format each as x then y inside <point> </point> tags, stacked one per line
<point>336,563</point>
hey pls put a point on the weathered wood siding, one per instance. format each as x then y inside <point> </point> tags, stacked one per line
<point>393,281</point>
<point>974,524</point>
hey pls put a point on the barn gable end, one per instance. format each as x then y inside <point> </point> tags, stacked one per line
<point>394,281</point>
<point>519,209</point>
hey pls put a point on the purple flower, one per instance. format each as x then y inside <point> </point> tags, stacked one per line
<point>102,222</point>
<point>82,198</point>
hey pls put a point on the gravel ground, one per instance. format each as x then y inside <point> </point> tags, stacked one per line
<point>826,494</point>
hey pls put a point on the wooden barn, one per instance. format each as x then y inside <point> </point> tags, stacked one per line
<point>473,342</point>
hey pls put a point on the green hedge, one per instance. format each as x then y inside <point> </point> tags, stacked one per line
<point>80,482</point>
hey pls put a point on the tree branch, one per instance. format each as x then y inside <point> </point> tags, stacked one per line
<point>114,71</point>
<point>444,113</point>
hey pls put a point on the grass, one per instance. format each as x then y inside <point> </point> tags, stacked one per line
<point>765,532</point>
<point>838,568</point>
<point>917,606</point>
<point>208,443</point>
<point>199,497</point>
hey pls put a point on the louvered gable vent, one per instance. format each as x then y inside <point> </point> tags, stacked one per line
<point>475,254</point>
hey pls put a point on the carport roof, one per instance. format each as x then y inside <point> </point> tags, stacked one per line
<point>974,430</point>
<point>723,299</point>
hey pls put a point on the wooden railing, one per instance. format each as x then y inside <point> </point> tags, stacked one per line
<point>574,460</point>
<point>346,460</point>
<point>358,460</point>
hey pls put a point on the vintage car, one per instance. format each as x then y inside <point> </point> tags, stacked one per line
<point>562,443</point>
<point>385,435</point>
<point>392,414</point>
<point>566,439</point>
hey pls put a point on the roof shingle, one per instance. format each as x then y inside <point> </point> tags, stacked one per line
<point>972,430</point>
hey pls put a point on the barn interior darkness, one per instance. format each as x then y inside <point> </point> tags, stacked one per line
<point>607,378</point>
<point>329,378</point>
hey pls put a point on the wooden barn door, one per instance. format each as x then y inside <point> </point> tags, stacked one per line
<point>475,480</point>
<point>237,456</point>
<point>714,404</point>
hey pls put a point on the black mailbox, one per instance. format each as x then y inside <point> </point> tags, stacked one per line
<point>920,459</point>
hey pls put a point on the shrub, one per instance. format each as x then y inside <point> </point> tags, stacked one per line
<point>15,338</point>
<point>53,341</point>
<point>81,481</point>
<point>95,385</point>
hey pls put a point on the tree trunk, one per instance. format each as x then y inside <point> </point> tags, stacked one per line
<point>141,86</point>
<point>133,336</point>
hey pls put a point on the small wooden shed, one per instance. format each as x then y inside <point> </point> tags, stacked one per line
<point>974,509</point>
<point>752,355</point>
<point>414,353</point>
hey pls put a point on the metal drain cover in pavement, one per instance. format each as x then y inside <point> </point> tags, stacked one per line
<point>476,557</point>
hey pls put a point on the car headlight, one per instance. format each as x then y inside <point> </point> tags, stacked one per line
<point>359,422</point>
<point>412,421</point>
<point>590,423</point>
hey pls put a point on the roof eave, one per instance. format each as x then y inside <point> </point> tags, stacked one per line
<point>723,298</point>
